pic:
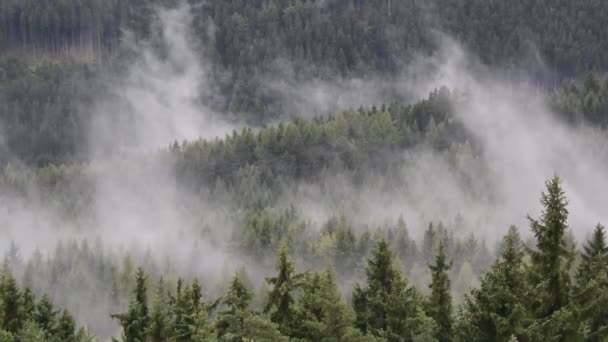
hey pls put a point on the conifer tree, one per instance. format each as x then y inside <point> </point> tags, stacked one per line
<point>135,322</point>
<point>591,290</point>
<point>595,250</point>
<point>30,332</point>
<point>66,327</point>
<point>552,258</point>
<point>46,315</point>
<point>549,274</point>
<point>184,314</point>
<point>497,311</point>
<point>440,300</point>
<point>11,299</point>
<point>160,328</point>
<point>386,307</point>
<point>322,314</point>
<point>280,298</point>
<point>238,323</point>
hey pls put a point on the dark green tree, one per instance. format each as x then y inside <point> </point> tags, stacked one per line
<point>551,261</point>
<point>161,324</point>
<point>439,304</point>
<point>497,311</point>
<point>386,307</point>
<point>136,321</point>
<point>591,290</point>
<point>236,323</point>
<point>281,296</point>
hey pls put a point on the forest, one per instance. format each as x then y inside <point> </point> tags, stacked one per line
<point>303,170</point>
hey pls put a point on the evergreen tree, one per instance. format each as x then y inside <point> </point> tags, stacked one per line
<point>386,307</point>
<point>238,323</point>
<point>135,322</point>
<point>552,258</point>
<point>184,313</point>
<point>497,311</point>
<point>551,261</point>
<point>595,250</point>
<point>280,298</point>
<point>11,299</point>
<point>160,328</point>
<point>66,327</point>
<point>46,316</point>
<point>322,313</point>
<point>30,332</point>
<point>591,290</point>
<point>440,300</point>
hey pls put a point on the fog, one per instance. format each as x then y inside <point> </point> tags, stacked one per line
<point>137,205</point>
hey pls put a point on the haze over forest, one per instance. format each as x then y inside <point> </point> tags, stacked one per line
<point>303,170</point>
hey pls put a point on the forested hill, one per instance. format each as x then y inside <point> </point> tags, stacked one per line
<point>58,59</point>
<point>344,34</point>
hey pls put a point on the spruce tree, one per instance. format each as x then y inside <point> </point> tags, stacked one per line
<point>497,311</point>
<point>135,322</point>
<point>238,323</point>
<point>12,303</point>
<point>552,258</point>
<point>591,290</point>
<point>184,314</point>
<point>46,315</point>
<point>595,250</point>
<point>280,298</point>
<point>322,313</point>
<point>549,273</point>
<point>161,327</point>
<point>440,300</point>
<point>66,327</point>
<point>386,307</point>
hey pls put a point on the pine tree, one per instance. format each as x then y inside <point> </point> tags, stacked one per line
<point>591,290</point>
<point>46,315</point>
<point>551,261</point>
<point>238,323</point>
<point>29,304</point>
<point>552,257</point>
<point>12,305</point>
<point>386,307</point>
<point>160,328</point>
<point>236,301</point>
<point>135,322</point>
<point>322,314</point>
<point>596,249</point>
<point>184,313</point>
<point>496,311</point>
<point>30,332</point>
<point>440,300</point>
<point>280,298</point>
<point>66,327</point>
<point>201,330</point>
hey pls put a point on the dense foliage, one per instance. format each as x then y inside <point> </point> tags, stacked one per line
<point>47,89</point>
<point>293,276</point>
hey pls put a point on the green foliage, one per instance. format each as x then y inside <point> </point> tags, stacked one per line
<point>439,306</point>
<point>387,307</point>
<point>552,258</point>
<point>281,296</point>
<point>135,322</point>
<point>497,311</point>
<point>238,323</point>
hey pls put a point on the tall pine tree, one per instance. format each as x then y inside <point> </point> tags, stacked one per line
<point>440,300</point>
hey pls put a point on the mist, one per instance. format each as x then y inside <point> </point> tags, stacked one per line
<point>137,205</point>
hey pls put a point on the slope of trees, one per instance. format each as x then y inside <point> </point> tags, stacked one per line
<point>243,39</point>
<point>532,290</point>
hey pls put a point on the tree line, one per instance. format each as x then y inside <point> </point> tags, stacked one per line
<point>544,288</point>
